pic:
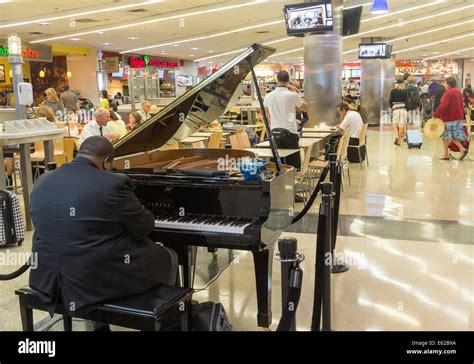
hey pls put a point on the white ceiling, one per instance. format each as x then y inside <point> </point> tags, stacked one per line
<point>204,26</point>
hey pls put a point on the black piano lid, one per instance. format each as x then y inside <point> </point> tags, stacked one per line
<point>195,109</point>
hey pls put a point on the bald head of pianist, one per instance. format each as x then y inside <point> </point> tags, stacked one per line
<point>98,150</point>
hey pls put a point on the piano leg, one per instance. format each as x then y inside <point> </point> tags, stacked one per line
<point>263,262</point>
<point>186,259</point>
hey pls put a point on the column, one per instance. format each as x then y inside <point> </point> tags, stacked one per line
<point>377,76</point>
<point>323,71</point>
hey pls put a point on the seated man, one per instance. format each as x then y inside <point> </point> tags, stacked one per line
<point>351,121</point>
<point>91,234</point>
<point>98,127</point>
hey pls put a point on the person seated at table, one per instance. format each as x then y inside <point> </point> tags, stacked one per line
<point>46,112</point>
<point>98,127</point>
<point>154,110</point>
<point>116,124</point>
<point>134,120</point>
<point>145,110</point>
<point>53,101</point>
<point>352,122</point>
<point>93,242</point>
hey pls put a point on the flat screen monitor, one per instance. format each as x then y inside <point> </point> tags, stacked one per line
<point>118,74</point>
<point>374,50</point>
<point>351,20</point>
<point>308,18</point>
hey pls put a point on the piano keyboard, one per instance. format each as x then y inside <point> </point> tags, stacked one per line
<point>206,223</point>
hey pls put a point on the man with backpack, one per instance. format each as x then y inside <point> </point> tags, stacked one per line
<point>413,103</point>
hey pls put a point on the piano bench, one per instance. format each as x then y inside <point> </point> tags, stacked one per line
<point>141,312</point>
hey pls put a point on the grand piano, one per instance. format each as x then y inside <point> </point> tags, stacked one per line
<point>198,196</point>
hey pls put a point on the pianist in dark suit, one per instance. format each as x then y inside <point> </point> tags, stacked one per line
<point>91,234</point>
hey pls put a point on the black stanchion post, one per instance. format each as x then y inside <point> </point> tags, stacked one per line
<point>322,280</point>
<point>291,282</point>
<point>335,175</point>
<point>287,248</point>
<point>328,201</point>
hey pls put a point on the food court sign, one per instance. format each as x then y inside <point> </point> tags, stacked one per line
<point>147,61</point>
<point>29,52</point>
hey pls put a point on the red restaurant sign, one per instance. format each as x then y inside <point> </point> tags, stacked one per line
<point>146,61</point>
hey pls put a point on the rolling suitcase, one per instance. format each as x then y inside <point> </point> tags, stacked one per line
<point>12,229</point>
<point>414,139</point>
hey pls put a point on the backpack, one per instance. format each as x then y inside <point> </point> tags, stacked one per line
<point>207,316</point>
<point>413,100</point>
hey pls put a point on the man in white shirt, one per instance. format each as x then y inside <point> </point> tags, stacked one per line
<point>98,127</point>
<point>145,110</point>
<point>352,122</point>
<point>280,106</point>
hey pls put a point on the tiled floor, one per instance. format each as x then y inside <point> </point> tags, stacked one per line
<point>407,230</point>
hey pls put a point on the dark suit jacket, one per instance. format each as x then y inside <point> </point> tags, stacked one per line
<point>90,237</point>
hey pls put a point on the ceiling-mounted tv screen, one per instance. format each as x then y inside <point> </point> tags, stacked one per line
<point>304,18</point>
<point>351,20</point>
<point>375,50</point>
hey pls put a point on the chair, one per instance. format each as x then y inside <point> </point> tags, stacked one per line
<point>145,311</point>
<point>240,131</point>
<point>215,140</point>
<point>235,142</point>
<point>244,140</point>
<point>198,145</point>
<point>303,175</point>
<point>362,144</point>
<point>343,156</point>
<point>68,149</point>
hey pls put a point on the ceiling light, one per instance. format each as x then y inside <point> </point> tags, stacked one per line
<point>356,6</point>
<point>191,55</point>
<point>101,33</point>
<point>5,1</point>
<point>43,23</point>
<point>178,16</point>
<point>449,53</point>
<point>207,36</point>
<point>133,38</point>
<point>75,15</point>
<point>439,41</point>
<point>243,49</point>
<point>75,39</point>
<point>194,49</point>
<point>401,11</point>
<point>175,45</point>
<point>413,35</point>
<point>107,44</point>
<point>445,12</point>
<point>436,52</point>
<point>290,51</point>
<point>379,7</point>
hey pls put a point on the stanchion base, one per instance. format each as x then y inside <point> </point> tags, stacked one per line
<point>339,267</point>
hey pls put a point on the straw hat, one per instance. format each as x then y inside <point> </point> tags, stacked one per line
<point>434,128</point>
